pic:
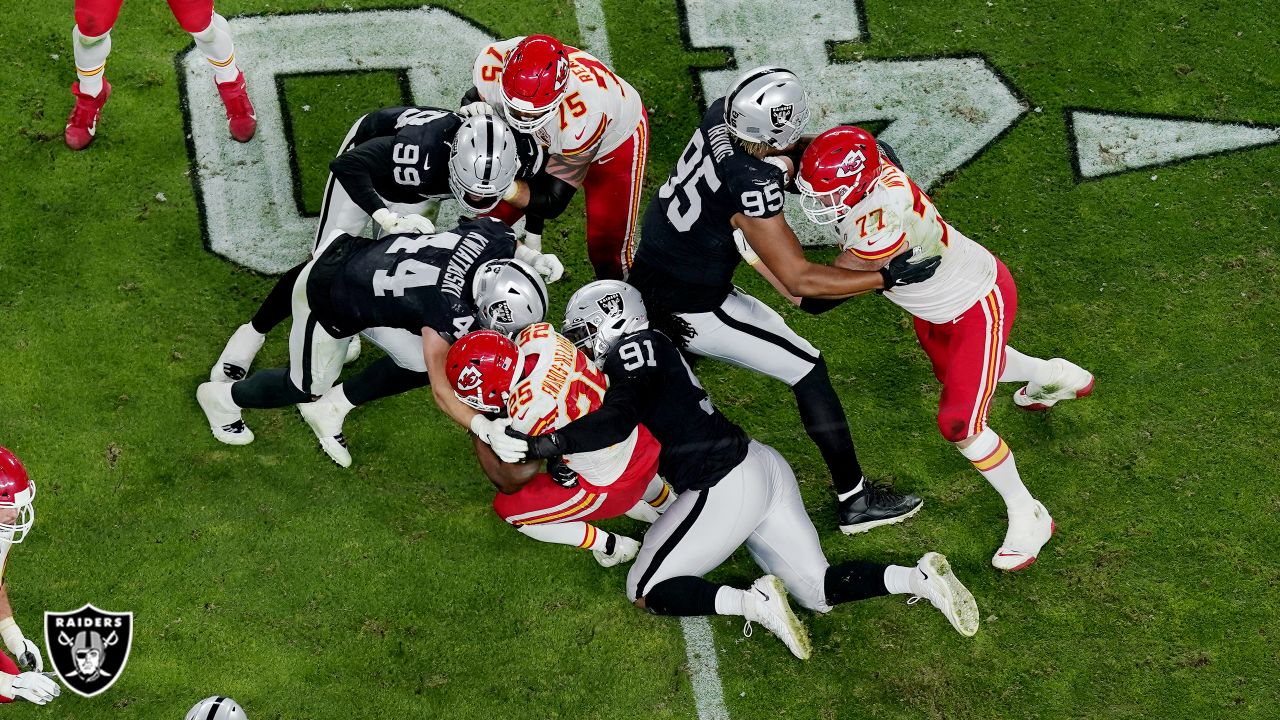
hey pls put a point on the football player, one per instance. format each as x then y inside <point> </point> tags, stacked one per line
<point>91,43</point>
<point>439,285</point>
<point>540,382</point>
<point>594,128</point>
<point>24,680</point>
<point>729,180</point>
<point>963,314</point>
<point>732,489</point>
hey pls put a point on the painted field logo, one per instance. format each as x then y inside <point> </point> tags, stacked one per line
<point>89,647</point>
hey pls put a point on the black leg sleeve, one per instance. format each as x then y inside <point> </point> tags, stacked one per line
<point>279,302</point>
<point>684,596</point>
<point>267,389</point>
<point>824,420</point>
<point>382,378</point>
<point>854,580</point>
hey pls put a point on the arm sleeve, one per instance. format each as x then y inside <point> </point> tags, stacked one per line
<point>627,401</point>
<point>548,196</point>
<point>356,168</point>
<point>817,306</point>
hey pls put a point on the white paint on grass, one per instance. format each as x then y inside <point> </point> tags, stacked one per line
<point>704,674</point>
<point>592,30</point>
<point>1109,143</point>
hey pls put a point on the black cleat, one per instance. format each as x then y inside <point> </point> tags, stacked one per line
<point>876,505</point>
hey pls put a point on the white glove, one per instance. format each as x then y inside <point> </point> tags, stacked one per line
<point>36,687</point>
<point>475,109</point>
<point>29,658</point>
<point>549,267</point>
<point>533,241</point>
<point>494,434</point>
<point>393,223</point>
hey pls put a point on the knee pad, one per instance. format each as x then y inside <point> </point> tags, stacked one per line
<point>953,426</point>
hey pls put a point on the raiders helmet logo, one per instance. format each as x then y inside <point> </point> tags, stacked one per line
<point>853,164</point>
<point>501,311</point>
<point>88,647</point>
<point>469,379</point>
<point>781,115</point>
<point>611,304</point>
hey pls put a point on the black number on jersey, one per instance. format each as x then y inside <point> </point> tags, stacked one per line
<point>695,164</point>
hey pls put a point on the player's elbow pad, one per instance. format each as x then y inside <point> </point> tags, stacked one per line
<point>548,196</point>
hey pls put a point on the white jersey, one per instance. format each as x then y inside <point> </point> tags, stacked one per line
<point>598,114</point>
<point>895,214</point>
<point>562,386</point>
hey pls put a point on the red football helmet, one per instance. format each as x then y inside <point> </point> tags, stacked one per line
<point>17,514</point>
<point>836,172</point>
<point>535,78</point>
<point>482,367</point>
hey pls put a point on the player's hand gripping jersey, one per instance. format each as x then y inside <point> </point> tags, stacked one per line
<point>598,114</point>
<point>562,386</point>
<point>895,214</point>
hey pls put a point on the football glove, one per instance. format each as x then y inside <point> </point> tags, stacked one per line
<point>475,109</point>
<point>531,156</point>
<point>507,448</point>
<point>562,474</point>
<point>394,223</point>
<point>549,267</point>
<point>534,447</point>
<point>35,687</point>
<point>903,270</point>
<point>29,658</point>
<point>533,241</point>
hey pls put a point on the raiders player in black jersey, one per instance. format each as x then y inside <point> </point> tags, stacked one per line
<point>722,202</point>
<point>732,489</point>
<point>438,285</point>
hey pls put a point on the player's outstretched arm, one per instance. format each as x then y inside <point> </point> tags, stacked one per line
<point>779,250</point>
<point>507,477</point>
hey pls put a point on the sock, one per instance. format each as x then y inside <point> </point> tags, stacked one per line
<point>729,601</point>
<point>897,579</point>
<point>1024,368</point>
<point>842,496</point>
<point>267,389</point>
<point>993,458</point>
<point>569,533</point>
<point>684,596</point>
<point>91,60</point>
<point>598,540</point>
<point>215,42</point>
<point>278,304</point>
<point>854,580</point>
<point>659,494</point>
<point>338,396</point>
<point>824,420</point>
<point>382,378</point>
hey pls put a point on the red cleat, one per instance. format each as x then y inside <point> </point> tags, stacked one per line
<point>83,122</point>
<point>240,116</point>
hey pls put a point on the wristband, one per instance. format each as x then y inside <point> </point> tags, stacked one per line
<point>512,191</point>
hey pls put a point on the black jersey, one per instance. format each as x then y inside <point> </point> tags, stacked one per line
<point>687,255</point>
<point>650,383</point>
<point>401,156</point>
<point>405,281</point>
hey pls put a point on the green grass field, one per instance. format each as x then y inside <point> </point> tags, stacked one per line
<point>391,590</point>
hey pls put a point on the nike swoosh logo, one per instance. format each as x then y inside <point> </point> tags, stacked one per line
<point>580,133</point>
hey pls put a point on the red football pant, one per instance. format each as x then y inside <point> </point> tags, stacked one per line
<point>968,357</point>
<point>7,665</point>
<point>543,501</point>
<point>612,186</point>
<point>95,17</point>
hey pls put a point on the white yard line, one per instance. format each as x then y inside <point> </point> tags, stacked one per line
<point>592,30</point>
<point>703,672</point>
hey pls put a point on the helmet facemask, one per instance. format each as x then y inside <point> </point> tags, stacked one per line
<point>17,515</point>
<point>823,208</point>
<point>482,163</point>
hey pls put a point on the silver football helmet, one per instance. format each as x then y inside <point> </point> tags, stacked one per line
<point>601,313</point>
<point>216,708</point>
<point>509,296</point>
<point>767,105</point>
<point>482,162</point>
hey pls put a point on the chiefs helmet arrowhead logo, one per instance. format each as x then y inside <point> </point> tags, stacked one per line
<point>852,165</point>
<point>469,379</point>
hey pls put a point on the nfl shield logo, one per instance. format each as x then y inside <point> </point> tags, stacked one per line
<point>781,115</point>
<point>88,647</point>
<point>610,304</point>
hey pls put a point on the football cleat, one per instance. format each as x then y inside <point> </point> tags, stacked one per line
<point>625,550</point>
<point>82,124</point>
<point>876,505</point>
<point>353,351</point>
<point>765,602</point>
<point>223,414</point>
<point>325,416</point>
<point>934,581</point>
<point>1070,381</point>
<point>1027,533</point>
<point>233,364</point>
<point>241,119</point>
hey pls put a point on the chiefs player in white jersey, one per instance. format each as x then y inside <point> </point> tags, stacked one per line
<point>24,680</point>
<point>963,314</point>
<point>541,382</point>
<point>591,123</point>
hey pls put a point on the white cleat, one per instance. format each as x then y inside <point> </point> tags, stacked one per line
<point>1026,535</point>
<point>353,351</point>
<point>325,416</point>
<point>625,550</point>
<point>233,364</point>
<point>223,414</point>
<point>934,581</point>
<point>765,602</point>
<point>1070,381</point>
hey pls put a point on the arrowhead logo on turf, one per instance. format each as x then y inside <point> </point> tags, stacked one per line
<point>89,647</point>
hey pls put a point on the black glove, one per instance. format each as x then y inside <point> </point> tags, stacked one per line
<point>903,271</point>
<point>530,154</point>
<point>540,446</point>
<point>561,473</point>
